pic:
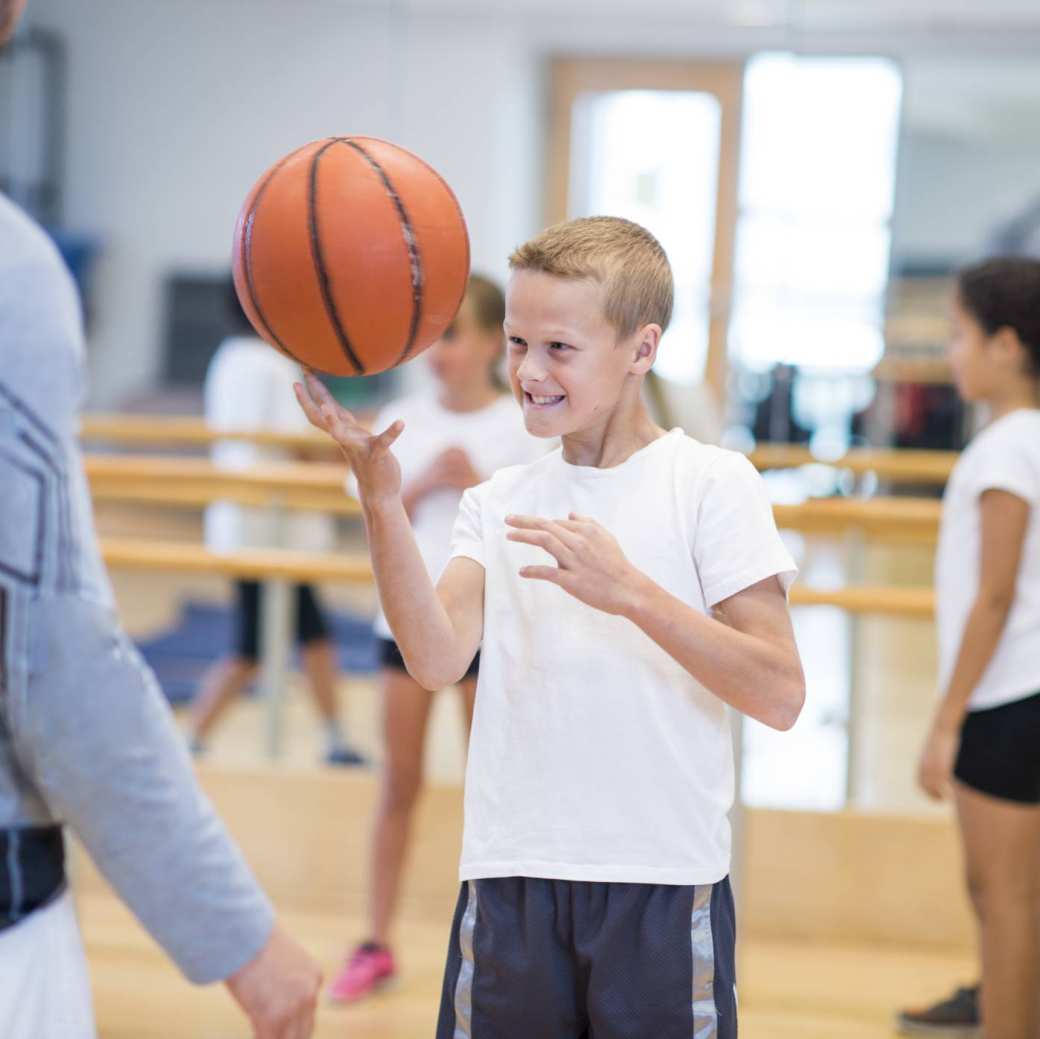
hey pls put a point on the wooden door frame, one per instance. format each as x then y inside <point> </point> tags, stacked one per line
<point>571,76</point>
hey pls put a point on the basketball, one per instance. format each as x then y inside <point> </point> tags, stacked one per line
<point>350,255</point>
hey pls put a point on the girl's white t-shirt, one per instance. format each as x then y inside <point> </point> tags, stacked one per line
<point>1004,456</point>
<point>594,755</point>
<point>493,437</point>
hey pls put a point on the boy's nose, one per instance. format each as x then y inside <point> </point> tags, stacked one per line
<point>530,370</point>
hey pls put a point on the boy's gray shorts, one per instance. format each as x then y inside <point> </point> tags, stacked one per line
<point>558,959</point>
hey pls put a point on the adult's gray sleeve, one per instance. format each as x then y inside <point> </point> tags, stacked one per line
<point>95,734</point>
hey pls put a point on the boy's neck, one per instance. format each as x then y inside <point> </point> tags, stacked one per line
<point>624,432</point>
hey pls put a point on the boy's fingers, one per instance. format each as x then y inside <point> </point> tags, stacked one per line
<point>386,439</point>
<point>322,397</point>
<point>540,539</point>
<point>574,526</point>
<point>329,407</point>
<point>315,416</point>
<point>316,387</point>
<point>555,527</point>
<point>527,522</point>
<point>570,535</point>
<point>551,574</point>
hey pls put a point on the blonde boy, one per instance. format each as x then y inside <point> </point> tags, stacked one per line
<point>624,588</point>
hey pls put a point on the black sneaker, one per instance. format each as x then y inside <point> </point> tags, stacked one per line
<point>956,1016</point>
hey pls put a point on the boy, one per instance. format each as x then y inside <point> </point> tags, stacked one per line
<point>595,857</point>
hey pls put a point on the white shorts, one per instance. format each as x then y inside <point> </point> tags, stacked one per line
<point>44,986</point>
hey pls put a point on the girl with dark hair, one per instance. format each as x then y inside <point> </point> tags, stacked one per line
<point>984,744</point>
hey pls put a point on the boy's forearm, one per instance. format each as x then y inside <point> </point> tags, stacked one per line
<point>412,493</point>
<point>421,625</point>
<point>751,674</point>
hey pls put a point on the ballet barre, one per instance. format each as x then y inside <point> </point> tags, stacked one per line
<point>196,482</point>
<point>280,569</point>
<point>895,465</point>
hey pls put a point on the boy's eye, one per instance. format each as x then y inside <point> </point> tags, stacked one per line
<point>517,342</point>
<point>558,347</point>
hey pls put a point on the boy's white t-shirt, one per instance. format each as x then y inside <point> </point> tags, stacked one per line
<point>493,437</point>
<point>594,755</point>
<point>1004,456</point>
<point>249,385</point>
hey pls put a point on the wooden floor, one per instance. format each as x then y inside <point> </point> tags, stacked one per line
<point>304,832</point>
<point>787,990</point>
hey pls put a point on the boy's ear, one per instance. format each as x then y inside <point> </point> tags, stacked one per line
<point>646,341</point>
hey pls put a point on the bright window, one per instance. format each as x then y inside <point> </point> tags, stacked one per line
<point>652,156</point>
<point>817,182</point>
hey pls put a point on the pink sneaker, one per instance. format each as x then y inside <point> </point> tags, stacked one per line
<point>370,968</point>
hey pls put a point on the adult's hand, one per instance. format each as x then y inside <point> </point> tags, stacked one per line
<point>278,989</point>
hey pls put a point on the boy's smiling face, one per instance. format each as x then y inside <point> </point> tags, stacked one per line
<point>567,367</point>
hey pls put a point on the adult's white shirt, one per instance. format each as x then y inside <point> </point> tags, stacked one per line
<point>46,989</point>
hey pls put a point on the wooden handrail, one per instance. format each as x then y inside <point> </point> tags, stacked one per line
<point>152,430</point>
<point>197,482</point>
<point>277,476</point>
<point>250,564</point>
<point>899,466</point>
<point>912,518</point>
<point>905,602</point>
<point>279,564</point>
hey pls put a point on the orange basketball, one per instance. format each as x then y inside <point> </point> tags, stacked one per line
<point>351,255</point>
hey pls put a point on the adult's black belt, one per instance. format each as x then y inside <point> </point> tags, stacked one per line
<point>32,870</point>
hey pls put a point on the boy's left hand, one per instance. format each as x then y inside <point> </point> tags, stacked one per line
<point>590,563</point>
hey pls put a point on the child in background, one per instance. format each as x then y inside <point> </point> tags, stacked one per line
<point>624,590</point>
<point>249,386</point>
<point>456,437</point>
<point>984,744</point>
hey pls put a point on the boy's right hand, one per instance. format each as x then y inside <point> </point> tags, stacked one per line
<point>376,469</point>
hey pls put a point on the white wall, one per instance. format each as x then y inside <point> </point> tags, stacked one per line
<point>953,194</point>
<point>970,155</point>
<point>176,106</point>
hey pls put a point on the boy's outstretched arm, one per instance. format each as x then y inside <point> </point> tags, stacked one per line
<point>437,629</point>
<point>744,653</point>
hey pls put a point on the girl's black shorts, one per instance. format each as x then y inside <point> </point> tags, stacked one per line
<point>1000,751</point>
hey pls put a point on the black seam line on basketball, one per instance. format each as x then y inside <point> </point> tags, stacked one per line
<point>247,261</point>
<point>462,220</point>
<point>414,259</point>
<point>324,282</point>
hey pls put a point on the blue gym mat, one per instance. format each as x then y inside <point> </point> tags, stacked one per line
<point>204,632</point>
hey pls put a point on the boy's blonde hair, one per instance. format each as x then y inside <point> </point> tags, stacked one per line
<point>625,258</point>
